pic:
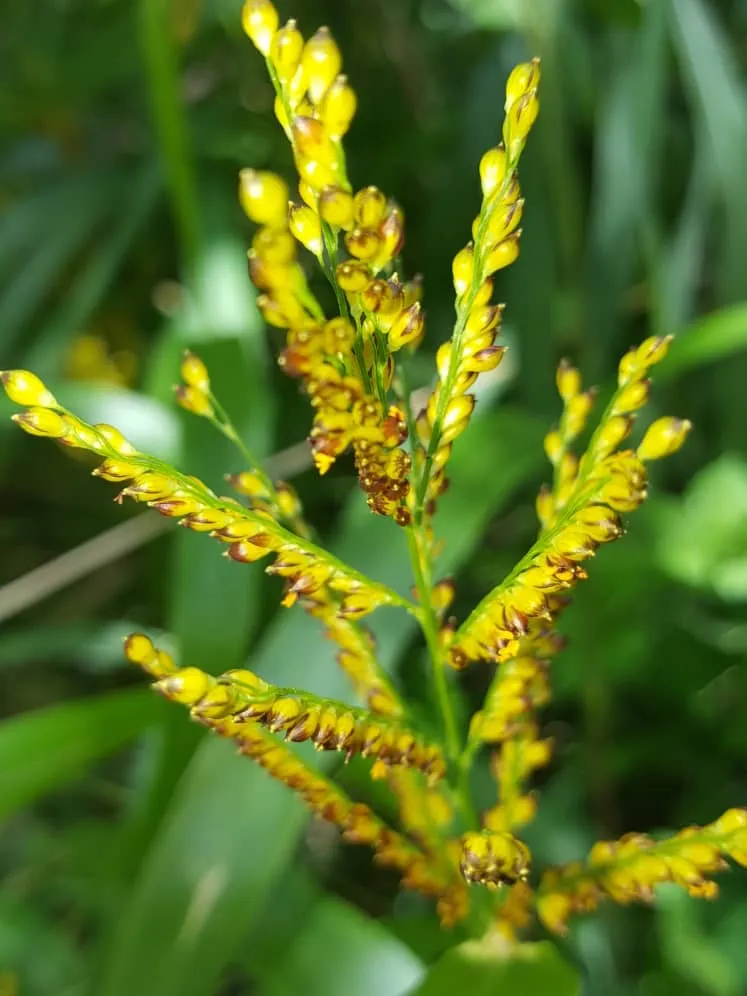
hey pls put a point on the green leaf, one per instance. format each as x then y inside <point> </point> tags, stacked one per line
<point>94,647</point>
<point>710,338</point>
<point>43,750</point>
<point>691,949</point>
<point>67,229</point>
<point>714,85</point>
<point>341,951</point>
<point>703,538</point>
<point>227,837</point>
<point>488,968</point>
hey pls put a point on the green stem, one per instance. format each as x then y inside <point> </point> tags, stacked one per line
<point>427,617</point>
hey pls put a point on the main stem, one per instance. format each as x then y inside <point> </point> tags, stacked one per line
<point>421,570</point>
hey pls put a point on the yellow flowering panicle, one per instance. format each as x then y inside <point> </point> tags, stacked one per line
<point>581,512</point>
<point>330,725</point>
<point>346,362</point>
<point>628,870</point>
<point>248,535</point>
<point>495,233</point>
<point>443,845</point>
<point>208,699</point>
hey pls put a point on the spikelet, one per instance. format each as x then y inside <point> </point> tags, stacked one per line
<point>275,499</point>
<point>628,870</point>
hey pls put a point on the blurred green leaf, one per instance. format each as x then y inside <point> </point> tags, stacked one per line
<point>341,951</point>
<point>227,836</point>
<point>148,424</point>
<point>489,966</point>
<point>710,338</point>
<point>95,278</point>
<point>68,225</point>
<point>715,86</point>
<point>95,647</point>
<point>687,947</point>
<point>703,538</point>
<point>43,750</point>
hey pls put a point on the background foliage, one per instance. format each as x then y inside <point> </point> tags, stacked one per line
<point>136,854</point>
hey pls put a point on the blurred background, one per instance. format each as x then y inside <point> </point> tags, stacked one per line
<point>137,854</point>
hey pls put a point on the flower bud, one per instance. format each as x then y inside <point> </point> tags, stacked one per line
<point>522,80</point>
<point>260,20</point>
<point>338,108</point>
<point>407,328</point>
<point>462,269</point>
<point>503,254</point>
<point>568,380</point>
<point>25,388</point>
<point>493,169</point>
<point>305,226</point>
<point>264,197</point>
<point>41,422</point>
<point>321,62</point>
<point>519,120</point>
<point>553,444</point>
<point>353,276</point>
<point>632,397</point>
<point>194,372</point>
<point>336,207</point>
<point>363,243</point>
<point>369,205</point>
<point>187,686</point>
<point>193,400</point>
<point>663,437</point>
<point>285,51</point>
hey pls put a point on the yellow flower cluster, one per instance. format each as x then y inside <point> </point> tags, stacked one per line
<point>494,859</point>
<point>241,695</point>
<point>581,512</point>
<point>495,232</point>
<point>346,363</point>
<point>357,821</point>
<point>628,870</point>
<point>248,535</point>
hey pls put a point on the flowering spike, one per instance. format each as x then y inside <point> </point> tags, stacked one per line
<point>628,870</point>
